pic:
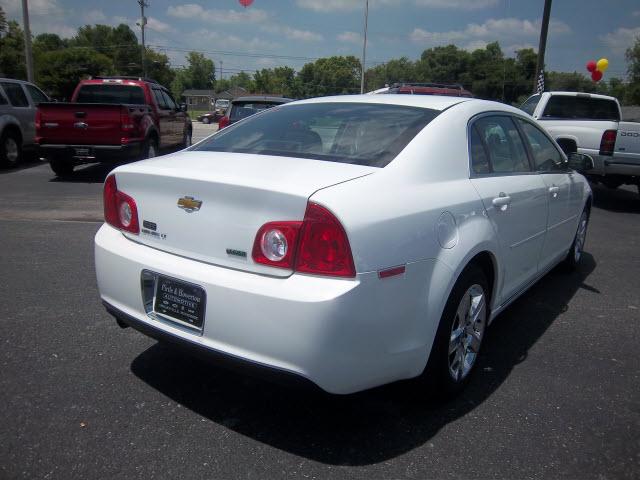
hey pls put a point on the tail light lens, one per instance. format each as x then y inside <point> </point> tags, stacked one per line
<point>275,244</point>
<point>223,122</point>
<point>120,210</point>
<point>317,245</point>
<point>126,122</point>
<point>608,142</point>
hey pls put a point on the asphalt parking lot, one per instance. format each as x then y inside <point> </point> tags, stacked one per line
<point>557,392</point>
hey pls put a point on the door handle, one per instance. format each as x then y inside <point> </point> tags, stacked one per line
<point>502,201</point>
<point>554,191</point>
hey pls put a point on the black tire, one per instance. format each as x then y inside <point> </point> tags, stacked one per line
<point>60,167</point>
<point>206,120</point>
<point>186,139</point>
<point>10,149</point>
<point>438,377</point>
<point>572,260</point>
<point>150,148</point>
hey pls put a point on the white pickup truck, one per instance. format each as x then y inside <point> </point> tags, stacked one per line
<point>590,124</point>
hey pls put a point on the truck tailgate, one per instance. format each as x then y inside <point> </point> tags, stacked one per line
<point>82,123</point>
<point>627,145</point>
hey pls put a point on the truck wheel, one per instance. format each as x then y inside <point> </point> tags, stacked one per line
<point>150,148</point>
<point>60,167</point>
<point>10,149</point>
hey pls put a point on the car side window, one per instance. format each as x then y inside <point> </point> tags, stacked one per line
<point>479,157</point>
<point>3,101</point>
<point>546,157</point>
<point>502,143</point>
<point>171,105</point>
<point>15,93</point>
<point>36,95</point>
<point>162,104</point>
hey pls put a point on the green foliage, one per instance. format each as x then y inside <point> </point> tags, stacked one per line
<point>3,22</point>
<point>632,55</point>
<point>12,62</point>
<point>158,67</point>
<point>118,43</point>
<point>60,70</point>
<point>329,76</point>
<point>200,73</point>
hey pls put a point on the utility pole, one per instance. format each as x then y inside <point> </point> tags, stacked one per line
<point>543,42</point>
<point>143,23</point>
<point>220,69</point>
<point>364,45</point>
<point>27,40</point>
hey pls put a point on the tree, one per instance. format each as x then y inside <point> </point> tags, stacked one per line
<point>60,70</point>
<point>633,69</point>
<point>447,64</point>
<point>200,73</point>
<point>12,62</point>
<point>118,43</point>
<point>3,22</point>
<point>395,70</point>
<point>158,67</point>
<point>329,76</point>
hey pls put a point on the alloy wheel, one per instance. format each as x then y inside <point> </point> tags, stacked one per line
<point>467,332</point>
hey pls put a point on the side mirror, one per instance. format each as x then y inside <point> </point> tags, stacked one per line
<point>580,162</point>
<point>183,107</point>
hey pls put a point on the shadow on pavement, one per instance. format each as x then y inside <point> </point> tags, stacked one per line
<point>29,160</point>
<point>621,200</point>
<point>367,427</point>
<point>92,173</point>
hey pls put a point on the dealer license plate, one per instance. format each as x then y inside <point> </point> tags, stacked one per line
<point>180,301</point>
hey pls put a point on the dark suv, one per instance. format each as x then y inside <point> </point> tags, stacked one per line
<point>243,107</point>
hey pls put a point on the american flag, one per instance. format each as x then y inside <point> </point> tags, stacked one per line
<point>540,82</point>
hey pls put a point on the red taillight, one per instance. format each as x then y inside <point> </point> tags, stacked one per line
<point>323,247</point>
<point>608,142</point>
<point>120,210</point>
<point>317,245</point>
<point>38,121</point>
<point>126,122</point>
<point>223,122</point>
<point>275,244</point>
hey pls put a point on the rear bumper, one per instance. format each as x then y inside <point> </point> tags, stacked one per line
<point>342,335</point>
<point>90,153</point>
<point>612,165</point>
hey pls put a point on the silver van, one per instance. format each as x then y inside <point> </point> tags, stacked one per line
<point>18,105</point>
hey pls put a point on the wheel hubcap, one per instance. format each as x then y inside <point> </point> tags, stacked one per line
<point>581,236</point>
<point>11,150</point>
<point>467,332</point>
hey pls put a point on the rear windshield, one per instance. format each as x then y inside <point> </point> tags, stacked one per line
<point>128,94</point>
<point>531,103</point>
<point>581,108</point>
<point>240,110</point>
<point>358,133</point>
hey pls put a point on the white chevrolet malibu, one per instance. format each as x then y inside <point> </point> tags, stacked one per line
<point>347,241</point>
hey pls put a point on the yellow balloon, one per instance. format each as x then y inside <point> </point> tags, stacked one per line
<point>602,64</point>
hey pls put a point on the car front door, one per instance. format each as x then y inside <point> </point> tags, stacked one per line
<point>554,170</point>
<point>178,118</point>
<point>514,198</point>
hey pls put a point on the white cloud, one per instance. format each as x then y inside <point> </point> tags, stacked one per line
<point>158,26</point>
<point>192,11</point>
<point>636,13</point>
<point>325,6</point>
<point>293,33</point>
<point>204,39</point>
<point>94,16</point>
<point>504,30</point>
<point>457,4</point>
<point>351,37</point>
<point>36,7</point>
<point>621,39</point>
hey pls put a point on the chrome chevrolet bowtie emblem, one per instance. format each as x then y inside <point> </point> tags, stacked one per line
<point>189,204</point>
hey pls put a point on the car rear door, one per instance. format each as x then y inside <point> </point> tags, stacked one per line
<point>554,171</point>
<point>165,120</point>
<point>178,118</point>
<point>514,197</point>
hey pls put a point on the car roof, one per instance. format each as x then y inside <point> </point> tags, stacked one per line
<point>260,98</point>
<point>434,102</point>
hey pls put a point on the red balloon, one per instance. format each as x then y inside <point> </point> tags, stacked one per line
<point>591,66</point>
<point>245,3</point>
<point>596,76</point>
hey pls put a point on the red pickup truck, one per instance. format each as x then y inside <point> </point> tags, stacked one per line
<point>110,119</point>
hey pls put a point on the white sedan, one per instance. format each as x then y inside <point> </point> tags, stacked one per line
<point>347,241</point>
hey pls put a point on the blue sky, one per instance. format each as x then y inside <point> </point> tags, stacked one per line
<point>292,32</point>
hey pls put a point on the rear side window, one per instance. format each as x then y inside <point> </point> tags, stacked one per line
<point>358,133</point>
<point>581,108</point>
<point>160,100</point>
<point>36,95</point>
<point>15,94</point>
<point>115,94</point>
<point>242,110</point>
<point>501,142</point>
<point>531,103</point>
<point>546,157</point>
